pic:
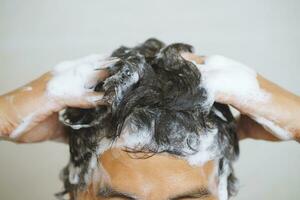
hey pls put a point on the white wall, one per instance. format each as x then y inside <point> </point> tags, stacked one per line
<point>35,34</point>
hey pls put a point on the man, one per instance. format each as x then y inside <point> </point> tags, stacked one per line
<point>114,183</point>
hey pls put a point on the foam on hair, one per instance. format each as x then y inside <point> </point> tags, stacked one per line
<point>158,105</point>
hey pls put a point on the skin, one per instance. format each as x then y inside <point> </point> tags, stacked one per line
<point>158,177</point>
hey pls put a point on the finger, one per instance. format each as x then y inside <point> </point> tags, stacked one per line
<point>101,72</point>
<point>193,57</point>
<point>99,76</point>
<point>222,97</point>
<point>107,62</point>
<point>87,100</point>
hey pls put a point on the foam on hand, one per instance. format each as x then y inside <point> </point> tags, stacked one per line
<point>234,79</point>
<point>71,79</point>
<point>75,78</point>
<point>226,76</point>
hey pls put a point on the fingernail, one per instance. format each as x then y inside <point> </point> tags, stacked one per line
<point>94,99</point>
<point>108,62</point>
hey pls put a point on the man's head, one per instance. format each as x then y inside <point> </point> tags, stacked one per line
<point>162,132</point>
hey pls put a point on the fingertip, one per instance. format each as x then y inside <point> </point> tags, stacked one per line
<point>97,77</point>
<point>108,62</point>
<point>96,98</point>
<point>103,74</point>
<point>193,57</point>
<point>186,55</point>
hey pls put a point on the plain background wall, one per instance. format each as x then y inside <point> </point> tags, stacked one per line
<point>36,34</point>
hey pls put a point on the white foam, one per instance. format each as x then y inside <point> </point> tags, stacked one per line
<point>26,122</point>
<point>67,122</point>
<point>270,126</point>
<point>207,151</point>
<point>104,145</point>
<point>75,78</point>
<point>223,182</point>
<point>92,166</point>
<point>224,75</point>
<point>212,183</point>
<point>121,88</point>
<point>133,137</point>
<point>219,114</point>
<point>100,176</point>
<point>74,174</point>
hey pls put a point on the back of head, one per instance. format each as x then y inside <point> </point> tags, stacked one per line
<point>158,105</point>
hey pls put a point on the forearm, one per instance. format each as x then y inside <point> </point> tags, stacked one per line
<point>279,113</point>
<point>248,128</point>
<point>13,125</point>
<point>18,106</point>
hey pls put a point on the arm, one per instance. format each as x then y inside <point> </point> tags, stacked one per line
<point>21,103</point>
<point>279,114</point>
<point>268,111</point>
<point>30,113</point>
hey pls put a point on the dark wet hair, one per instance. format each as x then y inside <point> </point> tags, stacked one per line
<point>151,88</point>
